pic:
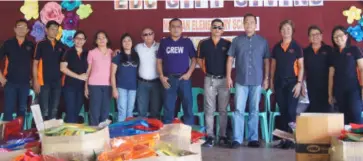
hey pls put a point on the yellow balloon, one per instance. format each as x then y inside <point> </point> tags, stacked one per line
<point>352,14</point>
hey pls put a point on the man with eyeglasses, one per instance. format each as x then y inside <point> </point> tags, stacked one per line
<point>212,58</point>
<point>18,54</point>
<point>175,70</point>
<point>149,87</point>
<point>252,69</point>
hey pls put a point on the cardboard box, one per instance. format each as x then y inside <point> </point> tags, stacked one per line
<point>345,151</point>
<point>82,147</point>
<point>8,156</point>
<point>313,135</point>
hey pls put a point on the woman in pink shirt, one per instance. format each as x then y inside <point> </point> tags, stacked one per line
<point>98,88</point>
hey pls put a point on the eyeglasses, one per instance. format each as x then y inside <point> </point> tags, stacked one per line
<point>338,36</point>
<point>148,34</point>
<point>217,27</point>
<point>314,35</point>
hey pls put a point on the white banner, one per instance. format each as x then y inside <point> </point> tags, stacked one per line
<point>231,24</point>
<point>299,3</point>
<point>201,4</point>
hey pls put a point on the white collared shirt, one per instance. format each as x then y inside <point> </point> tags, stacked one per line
<point>147,69</point>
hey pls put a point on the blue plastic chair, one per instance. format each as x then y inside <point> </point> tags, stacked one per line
<point>273,115</point>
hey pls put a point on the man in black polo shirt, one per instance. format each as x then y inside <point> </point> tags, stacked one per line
<point>15,78</point>
<point>46,71</point>
<point>212,58</point>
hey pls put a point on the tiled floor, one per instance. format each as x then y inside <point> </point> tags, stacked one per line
<point>247,154</point>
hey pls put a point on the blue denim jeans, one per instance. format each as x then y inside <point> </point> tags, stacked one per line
<point>73,98</point>
<point>15,94</point>
<point>49,98</point>
<point>100,100</point>
<point>149,98</point>
<point>254,95</point>
<point>183,89</point>
<point>125,103</point>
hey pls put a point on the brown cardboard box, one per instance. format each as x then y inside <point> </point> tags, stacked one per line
<point>81,148</point>
<point>313,135</point>
<point>345,151</point>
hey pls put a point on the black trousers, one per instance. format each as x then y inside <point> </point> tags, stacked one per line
<point>286,101</point>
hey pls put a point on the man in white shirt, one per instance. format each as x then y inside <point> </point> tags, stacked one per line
<point>149,90</point>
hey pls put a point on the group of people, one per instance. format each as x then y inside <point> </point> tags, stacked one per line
<point>154,74</point>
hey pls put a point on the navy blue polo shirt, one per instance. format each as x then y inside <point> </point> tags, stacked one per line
<point>18,60</point>
<point>345,65</point>
<point>286,61</point>
<point>49,57</point>
<point>214,55</point>
<point>77,63</point>
<point>316,64</point>
<point>126,74</point>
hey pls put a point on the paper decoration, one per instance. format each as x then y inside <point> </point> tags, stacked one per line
<point>70,5</point>
<point>286,3</point>
<point>201,3</point>
<point>240,3</point>
<point>356,32</point>
<point>202,25</point>
<point>301,3</point>
<point>67,37</point>
<point>186,4</point>
<point>38,31</point>
<point>71,21</point>
<point>150,4</point>
<point>135,4</point>
<point>172,4</point>
<point>84,11</point>
<point>255,3</point>
<point>216,3</point>
<point>352,14</point>
<point>60,31</point>
<point>51,11</point>
<point>30,9</point>
<point>361,21</point>
<point>121,4</point>
<point>316,2</point>
<point>271,3</point>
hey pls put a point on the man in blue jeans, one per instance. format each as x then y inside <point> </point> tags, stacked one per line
<point>252,53</point>
<point>149,89</point>
<point>18,52</point>
<point>174,55</point>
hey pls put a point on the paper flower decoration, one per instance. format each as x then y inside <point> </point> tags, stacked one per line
<point>30,9</point>
<point>60,31</point>
<point>70,5</point>
<point>352,14</point>
<point>356,32</point>
<point>84,11</point>
<point>38,31</point>
<point>70,21</point>
<point>67,37</point>
<point>361,21</point>
<point>51,11</point>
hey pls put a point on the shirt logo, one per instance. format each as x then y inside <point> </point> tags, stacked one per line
<point>324,53</point>
<point>291,51</point>
<point>175,50</point>
<point>60,49</point>
<point>224,48</point>
<point>349,54</point>
<point>28,48</point>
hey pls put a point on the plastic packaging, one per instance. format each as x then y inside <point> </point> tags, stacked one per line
<point>197,136</point>
<point>13,128</point>
<point>126,128</point>
<point>16,144</point>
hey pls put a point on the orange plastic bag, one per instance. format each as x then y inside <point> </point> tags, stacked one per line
<point>141,151</point>
<point>122,151</point>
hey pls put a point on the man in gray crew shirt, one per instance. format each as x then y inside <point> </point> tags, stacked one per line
<point>252,54</point>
